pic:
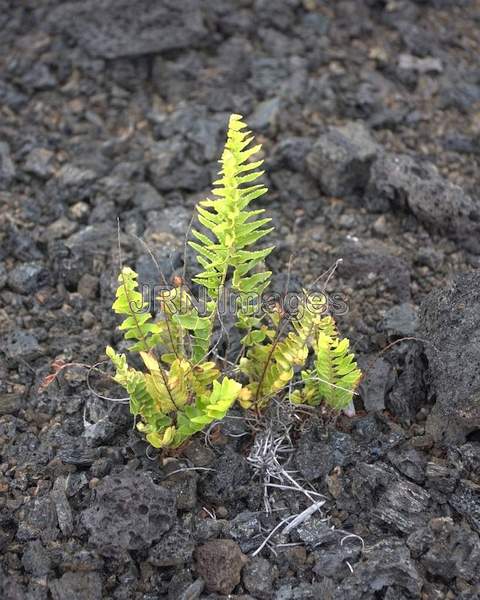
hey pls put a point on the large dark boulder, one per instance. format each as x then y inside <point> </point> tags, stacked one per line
<point>450,321</point>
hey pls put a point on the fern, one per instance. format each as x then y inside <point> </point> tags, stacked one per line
<point>335,375</point>
<point>179,391</point>
<point>232,228</point>
<point>271,366</point>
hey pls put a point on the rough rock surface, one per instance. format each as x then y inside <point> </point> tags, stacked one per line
<point>219,563</point>
<point>161,26</point>
<point>451,322</point>
<point>402,182</point>
<point>341,158</point>
<point>130,513</point>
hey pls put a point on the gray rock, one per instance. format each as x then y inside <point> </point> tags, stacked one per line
<point>409,462</point>
<point>76,452</point>
<point>466,501</point>
<point>114,29</point>
<point>447,550</point>
<point>228,482</point>
<point>291,153</point>
<point>184,486</point>
<point>130,513</point>
<point>35,559</point>
<point>440,477</point>
<point>378,379</point>
<point>258,576</point>
<point>22,345</point>
<point>265,115</point>
<point>409,391</point>
<point>62,506</point>
<point>72,176</point>
<point>331,560</point>
<point>39,162</point>
<point>340,159</point>
<point>219,563</point>
<point>367,260</point>
<point>76,586</point>
<point>147,198</point>
<point>305,591</point>
<point>38,519</point>
<point>193,591</point>
<point>319,452</point>
<point>402,506</point>
<point>450,320</point>
<point>27,278</point>
<point>170,169</point>
<point>387,564</point>
<point>88,286</point>
<point>244,529</point>
<point>404,182</point>
<point>174,549</point>
<point>428,64</point>
<point>401,320</point>
<point>3,275</point>
<point>92,238</point>
<point>7,168</point>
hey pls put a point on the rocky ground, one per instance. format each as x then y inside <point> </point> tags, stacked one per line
<point>369,111</point>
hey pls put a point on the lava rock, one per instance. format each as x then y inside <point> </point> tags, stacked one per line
<point>450,320</point>
<point>27,278</point>
<point>447,550</point>
<point>258,576</point>
<point>39,162</point>
<point>401,320</point>
<point>378,379</point>
<point>184,486</point>
<point>403,506</point>
<point>387,564</point>
<point>319,452</point>
<point>7,168</point>
<point>35,559</point>
<point>466,501</point>
<point>366,260</point>
<point>171,170</point>
<point>228,481</point>
<point>265,115</point>
<point>409,390</point>
<point>340,159</point>
<point>410,463</point>
<point>404,182</point>
<point>219,563</point>
<point>130,513</point>
<point>115,29</point>
<point>244,529</point>
<point>291,153</point>
<point>21,345</point>
<point>440,477</point>
<point>38,519</point>
<point>62,506</point>
<point>175,548</point>
<point>76,586</point>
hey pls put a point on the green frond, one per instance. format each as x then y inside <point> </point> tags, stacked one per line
<point>138,322</point>
<point>335,375</point>
<point>232,228</point>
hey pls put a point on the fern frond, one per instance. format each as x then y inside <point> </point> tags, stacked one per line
<point>138,322</point>
<point>133,382</point>
<point>181,316</point>
<point>232,228</point>
<point>271,366</point>
<point>335,375</point>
